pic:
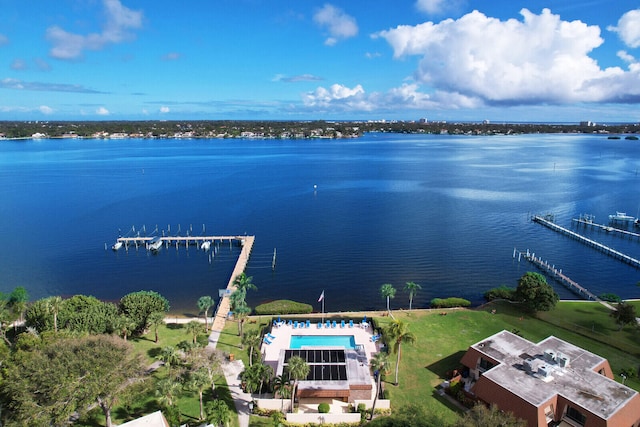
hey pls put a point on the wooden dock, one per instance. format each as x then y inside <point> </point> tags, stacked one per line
<point>560,277</point>
<point>603,248</point>
<point>586,221</point>
<point>222,311</point>
<point>179,240</point>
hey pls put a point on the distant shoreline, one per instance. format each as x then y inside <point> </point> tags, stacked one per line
<point>290,130</point>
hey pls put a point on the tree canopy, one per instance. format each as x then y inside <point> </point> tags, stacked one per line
<point>138,306</point>
<point>624,314</point>
<point>535,293</point>
<point>50,382</point>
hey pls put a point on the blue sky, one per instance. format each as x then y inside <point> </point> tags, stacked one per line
<point>501,60</point>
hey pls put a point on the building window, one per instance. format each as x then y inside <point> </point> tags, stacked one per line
<point>575,415</point>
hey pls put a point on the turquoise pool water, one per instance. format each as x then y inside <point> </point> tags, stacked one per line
<point>347,342</point>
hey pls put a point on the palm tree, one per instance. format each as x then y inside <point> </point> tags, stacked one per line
<point>199,380</point>
<point>380,363</point>
<point>204,304</point>
<point>218,413</point>
<point>156,319</point>
<point>170,356</point>
<point>298,369</point>
<point>282,387</point>
<point>242,281</point>
<point>412,288</point>
<point>239,308</point>
<point>388,291</point>
<point>250,378</point>
<point>253,341</point>
<point>167,390</point>
<point>193,328</point>
<point>55,304</point>
<point>398,332</point>
<point>124,325</point>
<point>264,374</point>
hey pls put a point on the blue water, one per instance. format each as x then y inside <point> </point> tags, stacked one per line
<point>344,341</point>
<point>445,212</point>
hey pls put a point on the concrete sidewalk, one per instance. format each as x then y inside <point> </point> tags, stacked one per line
<point>232,372</point>
<point>241,399</point>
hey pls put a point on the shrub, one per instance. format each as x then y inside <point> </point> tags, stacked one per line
<point>283,307</point>
<point>501,292</point>
<point>324,408</point>
<point>450,302</point>
<point>610,297</point>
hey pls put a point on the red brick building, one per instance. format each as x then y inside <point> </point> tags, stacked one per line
<point>551,383</point>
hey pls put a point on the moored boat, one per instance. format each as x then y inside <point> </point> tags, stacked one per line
<point>622,216</point>
<point>117,245</point>
<point>206,245</point>
<point>154,244</point>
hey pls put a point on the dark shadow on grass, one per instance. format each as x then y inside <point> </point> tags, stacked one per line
<point>135,412</point>
<point>446,401</point>
<point>175,326</point>
<point>154,352</point>
<point>449,363</point>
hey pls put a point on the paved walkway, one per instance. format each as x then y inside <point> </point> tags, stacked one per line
<point>241,399</point>
<point>232,372</point>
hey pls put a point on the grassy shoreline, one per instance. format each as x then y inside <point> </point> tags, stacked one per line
<point>442,340</point>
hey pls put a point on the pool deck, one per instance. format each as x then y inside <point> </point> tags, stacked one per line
<point>283,333</point>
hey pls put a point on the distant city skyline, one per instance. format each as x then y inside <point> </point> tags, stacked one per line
<point>467,60</point>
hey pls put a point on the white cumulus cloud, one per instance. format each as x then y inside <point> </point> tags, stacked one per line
<point>338,24</point>
<point>629,28</point>
<point>45,109</point>
<point>120,20</point>
<point>164,109</point>
<point>101,111</point>
<point>540,59</point>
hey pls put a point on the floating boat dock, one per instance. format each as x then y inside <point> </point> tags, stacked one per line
<point>178,240</point>
<point>559,277</point>
<point>587,220</point>
<point>603,248</point>
<point>223,308</point>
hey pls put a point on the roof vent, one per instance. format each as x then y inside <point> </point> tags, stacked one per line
<point>544,371</point>
<point>563,360</point>
<point>550,356</point>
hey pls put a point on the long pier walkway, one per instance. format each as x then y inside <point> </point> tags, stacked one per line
<point>603,248</point>
<point>560,277</point>
<point>586,221</point>
<point>222,312</point>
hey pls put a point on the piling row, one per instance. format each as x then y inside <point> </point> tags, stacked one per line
<point>603,248</point>
<point>607,228</point>
<point>557,275</point>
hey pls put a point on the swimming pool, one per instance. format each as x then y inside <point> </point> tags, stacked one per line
<point>347,342</point>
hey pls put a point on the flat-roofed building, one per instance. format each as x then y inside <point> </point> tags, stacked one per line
<point>551,383</point>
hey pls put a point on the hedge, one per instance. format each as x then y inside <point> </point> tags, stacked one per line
<point>450,302</point>
<point>283,306</point>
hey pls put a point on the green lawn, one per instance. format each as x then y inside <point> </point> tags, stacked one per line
<point>441,342</point>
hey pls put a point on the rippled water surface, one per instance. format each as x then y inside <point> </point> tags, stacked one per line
<point>445,212</point>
